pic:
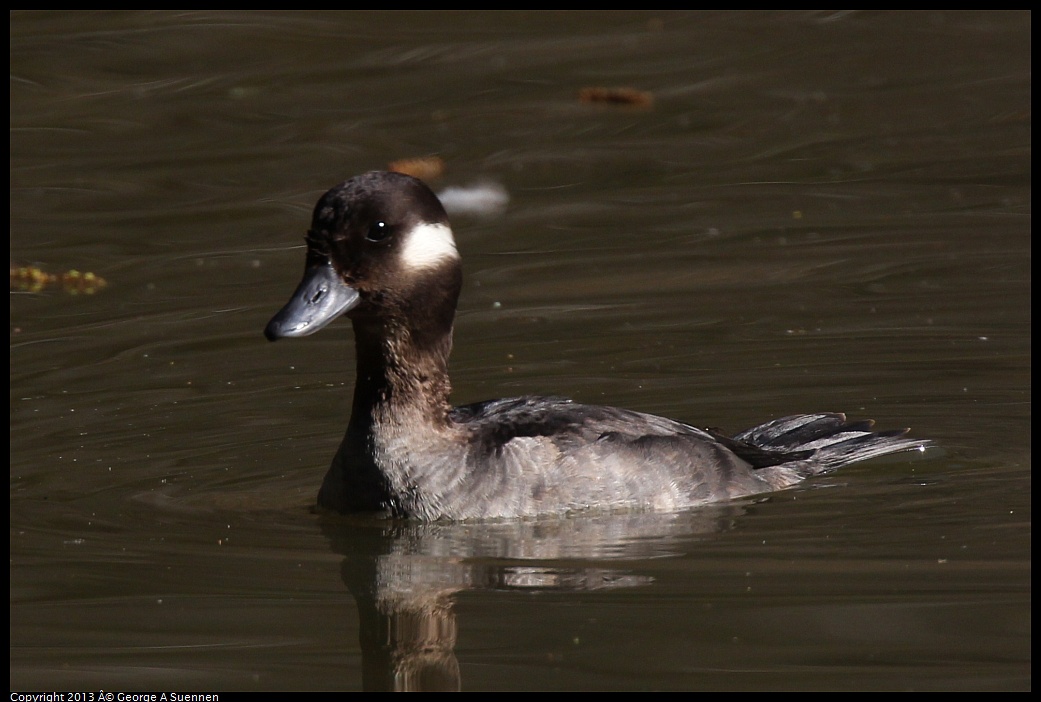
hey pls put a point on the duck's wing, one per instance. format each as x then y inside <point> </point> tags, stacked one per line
<point>536,455</point>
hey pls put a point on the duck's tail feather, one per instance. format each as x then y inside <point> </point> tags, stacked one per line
<point>823,441</point>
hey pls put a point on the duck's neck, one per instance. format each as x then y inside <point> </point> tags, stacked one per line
<point>402,376</point>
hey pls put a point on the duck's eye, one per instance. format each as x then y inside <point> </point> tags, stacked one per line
<point>378,231</point>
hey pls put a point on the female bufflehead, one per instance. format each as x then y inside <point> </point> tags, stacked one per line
<point>381,252</point>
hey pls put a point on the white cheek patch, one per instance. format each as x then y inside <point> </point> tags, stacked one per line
<point>428,246</point>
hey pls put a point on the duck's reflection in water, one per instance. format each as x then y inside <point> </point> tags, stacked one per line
<point>404,576</point>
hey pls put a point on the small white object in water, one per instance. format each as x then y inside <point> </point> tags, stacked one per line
<point>480,198</point>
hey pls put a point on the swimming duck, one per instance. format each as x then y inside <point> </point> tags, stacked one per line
<point>380,251</point>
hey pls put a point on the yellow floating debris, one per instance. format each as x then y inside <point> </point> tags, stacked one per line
<point>33,279</point>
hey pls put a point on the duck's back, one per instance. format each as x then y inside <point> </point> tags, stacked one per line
<point>534,455</point>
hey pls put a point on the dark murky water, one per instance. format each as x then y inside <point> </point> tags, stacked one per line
<point>819,211</point>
